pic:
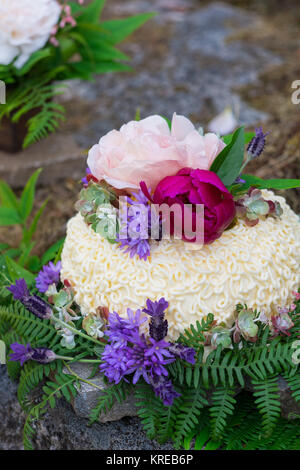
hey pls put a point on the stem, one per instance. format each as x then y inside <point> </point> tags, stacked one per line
<point>89,361</point>
<point>81,379</point>
<point>71,328</point>
<point>64,358</point>
<point>245,163</point>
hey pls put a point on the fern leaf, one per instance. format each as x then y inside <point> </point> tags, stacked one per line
<point>266,392</point>
<point>150,408</point>
<point>223,404</point>
<point>62,386</point>
<point>192,402</point>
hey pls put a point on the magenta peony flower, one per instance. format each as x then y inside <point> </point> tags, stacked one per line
<point>190,186</point>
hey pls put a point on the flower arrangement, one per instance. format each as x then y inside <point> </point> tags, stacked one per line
<point>187,389</point>
<point>47,42</point>
<point>184,168</point>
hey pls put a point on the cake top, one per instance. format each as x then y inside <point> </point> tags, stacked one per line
<point>156,179</point>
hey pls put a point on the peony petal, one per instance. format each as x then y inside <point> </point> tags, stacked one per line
<point>210,177</point>
<point>172,186</point>
<point>181,127</point>
<point>213,146</point>
<point>7,53</point>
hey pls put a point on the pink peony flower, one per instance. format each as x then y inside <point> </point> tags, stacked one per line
<point>190,186</point>
<point>25,27</point>
<point>148,151</point>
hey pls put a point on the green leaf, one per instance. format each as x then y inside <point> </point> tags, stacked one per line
<point>9,216</point>
<point>16,271</point>
<point>7,196</point>
<point>248,137</point>
<point>169,122</point>
<point>119,29</point>
<point>27,197</point>
<point>252,180</point>
<point>91,12</point>
<point>32,229</point>
<point>50,254</point>
<point>228,163</point>
<point>34,59</point>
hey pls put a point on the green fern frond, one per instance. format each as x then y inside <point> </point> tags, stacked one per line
<point>193,336</point>
<point>266,392</point>
<point>294,384</point>
<point>44,123</point>
<point>149,408</point>
<point>62,386</point>
<point>167,421</point>
<point>27,326</point>
<point>31,376</point>
<point>223,403</point>
<point>191,404</point>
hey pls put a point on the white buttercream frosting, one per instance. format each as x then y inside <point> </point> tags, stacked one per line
<point>257,265</point>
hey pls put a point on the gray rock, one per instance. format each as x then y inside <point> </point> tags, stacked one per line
<point>187,59</point>
<point>88,396</point>
<point>62,429</point>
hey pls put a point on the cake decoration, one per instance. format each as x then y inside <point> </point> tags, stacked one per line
<point>183,319</point>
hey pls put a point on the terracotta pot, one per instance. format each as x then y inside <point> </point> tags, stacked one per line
<point>12,134</point>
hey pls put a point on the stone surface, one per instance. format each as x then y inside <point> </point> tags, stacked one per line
<point>59,156</point>
<point>185,60</point>
<point>88,395</point>
<point>61,429</point>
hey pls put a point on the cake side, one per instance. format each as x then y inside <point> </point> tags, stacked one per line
<point>254,265</point>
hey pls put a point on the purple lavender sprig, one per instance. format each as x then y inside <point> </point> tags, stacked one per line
<point>22,354</point>
<point>255,147</point>
<point>49,274</point>
<point>257,143</point>
<point>33,303</point>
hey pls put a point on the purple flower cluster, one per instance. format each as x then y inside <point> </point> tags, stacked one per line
<point>22,353</point>
<point>142,223</point>
<point>50,274</point>
<point>130,352</point>
<point>33,303</point>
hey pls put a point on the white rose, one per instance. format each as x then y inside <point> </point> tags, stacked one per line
<point>25,27</point>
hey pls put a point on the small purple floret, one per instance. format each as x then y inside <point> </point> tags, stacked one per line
<point>84,180</point>
<point>50,274</point>
<point>165,390</point>
<point>156,308</point>
<point>183,352</point>
<point>20,353</point>
<point>19,290</point>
